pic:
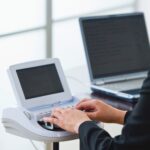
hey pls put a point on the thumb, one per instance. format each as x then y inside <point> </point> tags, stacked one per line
<point>85,105</point>
<point>91,115</point>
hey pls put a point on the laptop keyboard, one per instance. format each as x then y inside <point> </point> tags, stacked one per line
<point>125,85</point>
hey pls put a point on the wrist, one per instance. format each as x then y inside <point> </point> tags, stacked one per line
<point>119,116</point>
<point>76,128</point>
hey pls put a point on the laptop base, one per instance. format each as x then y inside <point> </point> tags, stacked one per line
<point>116,94</point>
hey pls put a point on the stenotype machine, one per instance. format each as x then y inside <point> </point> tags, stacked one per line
<point>39,86</point>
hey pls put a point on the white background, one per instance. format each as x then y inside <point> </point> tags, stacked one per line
<point>19,15</point>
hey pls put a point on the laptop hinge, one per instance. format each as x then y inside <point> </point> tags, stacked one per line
<point>121,78</point>
<point>110,81</point>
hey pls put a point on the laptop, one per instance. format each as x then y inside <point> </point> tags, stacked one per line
<point>117,53</point>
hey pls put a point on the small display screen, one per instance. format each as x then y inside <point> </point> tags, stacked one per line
<point>40,81</point>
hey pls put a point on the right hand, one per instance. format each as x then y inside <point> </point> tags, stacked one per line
<point>100,111</point>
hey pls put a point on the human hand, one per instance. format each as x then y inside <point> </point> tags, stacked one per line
<point>100,111</point>
<point>68,119</point>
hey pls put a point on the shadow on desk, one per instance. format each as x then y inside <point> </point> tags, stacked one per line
<point>115,102</point>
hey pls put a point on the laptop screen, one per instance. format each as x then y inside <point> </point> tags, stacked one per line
<point>40,81</point>
<point>116,44</point>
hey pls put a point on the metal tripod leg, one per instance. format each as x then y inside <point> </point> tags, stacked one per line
<point>52,146</point>
<point>48,146</point>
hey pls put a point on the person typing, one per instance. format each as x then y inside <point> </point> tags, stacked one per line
<point>135,133</point>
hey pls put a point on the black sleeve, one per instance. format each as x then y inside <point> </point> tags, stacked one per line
<point>135,133</point>
<point>128,113</point>
<point>92,137</point>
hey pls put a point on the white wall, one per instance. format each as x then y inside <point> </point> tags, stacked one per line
<point>144,6</point>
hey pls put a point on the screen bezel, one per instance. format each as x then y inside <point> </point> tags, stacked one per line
<point>81,20</point>
<point>42,100</point>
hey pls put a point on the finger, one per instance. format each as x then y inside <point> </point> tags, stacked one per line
<point>56,114</point>
<point>91,115</point>
<point>83,100</point>
<point>51,120</point>
<point>61,110</point>
<point>86,105</point>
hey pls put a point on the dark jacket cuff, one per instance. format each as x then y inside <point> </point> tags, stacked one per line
<point>128,113</point>
<point>86,125</point>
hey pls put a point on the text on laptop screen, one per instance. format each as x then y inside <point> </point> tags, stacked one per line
<point>116,44</point>
<point>39,81</point>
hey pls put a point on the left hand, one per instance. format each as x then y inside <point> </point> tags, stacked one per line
<point>68,119</point>
<point>100,111</point>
